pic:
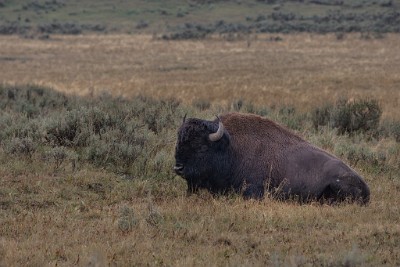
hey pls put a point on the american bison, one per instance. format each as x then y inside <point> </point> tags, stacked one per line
<point>248,154</point>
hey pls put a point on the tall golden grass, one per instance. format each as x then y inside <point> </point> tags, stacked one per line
<point>303,70</point>
<point>66,221</point>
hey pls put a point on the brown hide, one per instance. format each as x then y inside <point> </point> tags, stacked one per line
<point>260,143</point>
<point>255,154</point>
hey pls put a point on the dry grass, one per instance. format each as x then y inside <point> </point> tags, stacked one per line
<point>90,216</point>
<point>73,218</point>
<point>302,70</point>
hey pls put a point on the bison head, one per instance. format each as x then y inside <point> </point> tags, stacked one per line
<point>201,151</point>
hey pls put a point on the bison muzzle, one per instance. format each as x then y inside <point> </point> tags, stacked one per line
<point>250,155</point>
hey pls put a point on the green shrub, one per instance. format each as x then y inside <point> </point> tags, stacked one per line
<point>157,115</point>
<point>63,129</point>
<point>56,155</point>
<point>289,117</point>
<point>390,128</point>
<point>361,115</point>
<point>357,153</point>
<point>119,134</point>
<point>326,138</point>
<point>122,149</point>
<point>21,146</point>
<point>32,100</point>
<point>353,154</point>
<point>19,126</point>
<point>393,156</point>
<point>162,162</point>
<point>349,116</point>
<point>321,116</point>
<point>136,137</point>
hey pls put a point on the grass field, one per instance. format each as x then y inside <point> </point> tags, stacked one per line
<point>81,201</point>
<point>302,70</point>
<point>108,195</point>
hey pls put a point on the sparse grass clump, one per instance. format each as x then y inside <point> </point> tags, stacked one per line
<point>127,219</point>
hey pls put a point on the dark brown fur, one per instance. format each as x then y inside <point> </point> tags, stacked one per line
<point>256,154</point>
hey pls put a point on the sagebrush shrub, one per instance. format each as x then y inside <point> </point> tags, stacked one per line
<point>349,116</point>
<point>56,155</point>
<point>62,129</point>
<point>321,116</point>
<point>353,116</point>
<point>32,100</point>
<point>21,146</point>
<point>390,128</point>
<point>136,137</point>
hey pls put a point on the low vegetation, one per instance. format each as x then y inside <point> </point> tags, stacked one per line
<point>197,19</point>
<point>90,180</point>
<point>136,137</point>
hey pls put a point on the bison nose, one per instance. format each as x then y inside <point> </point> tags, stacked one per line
<point>178,168</point>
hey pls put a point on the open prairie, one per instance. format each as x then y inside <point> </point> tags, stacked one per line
<point>86,178</point>
<point>302,70</point>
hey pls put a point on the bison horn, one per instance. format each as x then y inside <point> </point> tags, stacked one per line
<point>218,134</point>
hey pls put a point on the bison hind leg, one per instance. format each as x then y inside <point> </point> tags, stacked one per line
<point>350,188</point>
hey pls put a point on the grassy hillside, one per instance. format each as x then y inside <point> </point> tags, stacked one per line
<point>198,17</point>
<point>90,180</point>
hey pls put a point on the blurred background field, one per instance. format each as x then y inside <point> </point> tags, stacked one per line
<point>196,18</point>
<point>303,70</point>
<point>91,97</point>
